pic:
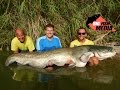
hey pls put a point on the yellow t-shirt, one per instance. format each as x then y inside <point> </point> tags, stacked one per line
<point>17,45</point>
<point>77,43</point>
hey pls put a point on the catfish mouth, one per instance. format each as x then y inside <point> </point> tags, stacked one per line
<point>104,55</point>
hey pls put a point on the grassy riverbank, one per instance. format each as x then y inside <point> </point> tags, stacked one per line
<point>66,15</point>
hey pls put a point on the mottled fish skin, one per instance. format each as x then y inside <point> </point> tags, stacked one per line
<point>79,55</point>
<point>40,60</point>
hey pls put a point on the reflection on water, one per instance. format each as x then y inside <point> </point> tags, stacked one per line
<point>104,76</point>
<point>26,73</point>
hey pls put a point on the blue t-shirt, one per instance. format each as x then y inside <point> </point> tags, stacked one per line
<point>45,44</point>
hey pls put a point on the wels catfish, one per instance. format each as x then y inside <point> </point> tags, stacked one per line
<point>79,56</point>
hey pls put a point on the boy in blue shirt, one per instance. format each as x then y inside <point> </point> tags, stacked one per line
<point>49,41</point>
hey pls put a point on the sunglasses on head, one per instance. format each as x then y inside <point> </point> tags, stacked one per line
<point>81,33</point>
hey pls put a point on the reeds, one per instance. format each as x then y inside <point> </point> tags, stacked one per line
<point>66,15</point>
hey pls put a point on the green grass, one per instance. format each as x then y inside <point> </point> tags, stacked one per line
<point>66,15</point>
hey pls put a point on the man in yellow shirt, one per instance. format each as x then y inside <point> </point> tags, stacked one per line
<point>21,42</point>
<point>82,40</point>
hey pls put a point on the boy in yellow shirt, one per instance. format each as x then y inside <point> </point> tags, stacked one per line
<point>21,42</point>
<point>82,40</point>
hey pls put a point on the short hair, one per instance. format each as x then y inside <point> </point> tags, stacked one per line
<point>49,25</point>
<point>81,28</point>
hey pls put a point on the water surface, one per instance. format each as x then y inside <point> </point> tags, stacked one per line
<point>105,76</point>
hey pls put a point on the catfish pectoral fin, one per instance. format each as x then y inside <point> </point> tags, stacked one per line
<point>86,56</point>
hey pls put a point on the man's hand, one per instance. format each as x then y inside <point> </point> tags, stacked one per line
<point>93,61</point>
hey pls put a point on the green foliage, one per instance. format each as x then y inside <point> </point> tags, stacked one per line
<point>66,15</point>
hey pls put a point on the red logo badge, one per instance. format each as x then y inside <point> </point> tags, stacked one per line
<point>98,23</point>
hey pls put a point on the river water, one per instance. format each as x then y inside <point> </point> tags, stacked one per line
<point>105,76</point>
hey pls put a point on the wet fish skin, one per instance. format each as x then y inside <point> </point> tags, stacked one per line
<point>79,55</point>
<point>40,60</point>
